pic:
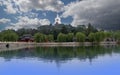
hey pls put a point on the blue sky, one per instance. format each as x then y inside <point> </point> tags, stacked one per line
<point>16,14</point>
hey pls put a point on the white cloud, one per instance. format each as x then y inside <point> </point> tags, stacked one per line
<point>9,6</point>
<point>19,6</point>
<point>30,14</point>
<point>49,5</point>
<point>44,22</point>
<point>26,22</point>
<point>0,3</point>
<point>4,20</point>
<point>93,11</point>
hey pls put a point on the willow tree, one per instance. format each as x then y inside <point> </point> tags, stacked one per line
<point>117,36</point>
<point>91,37</point>
<point>70,37</point>
<point>39,37</point>
<point>50,37</point>
<point>61,37</point>
<point>8,35</point>
<point>99,36</point>
<point>80,37</point>
<point>108,34</point>
<point>0,36</point>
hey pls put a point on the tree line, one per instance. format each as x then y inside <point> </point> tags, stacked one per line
<point>61,33</point>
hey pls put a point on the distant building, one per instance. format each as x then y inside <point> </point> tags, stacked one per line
<point>26,38</point>
<point>109,40</point>
<point>57,20</point>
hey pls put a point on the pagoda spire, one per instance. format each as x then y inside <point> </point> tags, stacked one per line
<point>57,20</point>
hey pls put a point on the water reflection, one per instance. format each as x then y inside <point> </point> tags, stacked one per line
<point>61,54</point>
<point>61,61</point>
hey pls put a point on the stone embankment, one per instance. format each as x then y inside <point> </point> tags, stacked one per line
<point>19,45</point>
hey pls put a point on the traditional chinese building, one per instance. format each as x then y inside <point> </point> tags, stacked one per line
<point>57,20</point>
<point>26,38</point>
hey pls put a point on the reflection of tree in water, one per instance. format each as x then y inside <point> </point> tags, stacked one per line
<point>60,54</point>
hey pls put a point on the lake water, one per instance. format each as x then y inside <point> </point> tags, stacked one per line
<point>94,60</point>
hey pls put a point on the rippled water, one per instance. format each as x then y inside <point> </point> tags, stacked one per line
<point>94,60</point>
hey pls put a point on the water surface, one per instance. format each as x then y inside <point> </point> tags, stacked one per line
<point>94,60</point>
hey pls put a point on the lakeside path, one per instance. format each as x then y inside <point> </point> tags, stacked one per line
<point>21,45</point>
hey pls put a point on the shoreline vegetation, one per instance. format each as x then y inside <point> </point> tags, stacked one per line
<point>57,35</point>
<point>21,45</point>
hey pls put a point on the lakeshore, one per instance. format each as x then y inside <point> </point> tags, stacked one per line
<point>21,45</point>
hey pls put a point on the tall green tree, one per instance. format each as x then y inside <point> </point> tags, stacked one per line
<point>99,36</point>
<point>50,37</point>
<point>80,37</point>
<point>117,35</point>
<point>8,35</point>
<point>64,30</point>
<point>70,37</point>
<point>39,37</point>
<point>90,29</point>
<point>108,34</point>
<point>91,37</point>
<point>61,37</point>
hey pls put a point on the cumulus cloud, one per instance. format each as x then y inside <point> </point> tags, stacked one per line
<point>13,6</point>
<point>26,22</point>
<point>93,11</point>
<point>4,20</point>
<point>44,22</point>
<point>19,6</point>
<point>9,8</point>
<point>0,3</point>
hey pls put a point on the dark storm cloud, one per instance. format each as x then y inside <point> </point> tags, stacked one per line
<point>94,11</point>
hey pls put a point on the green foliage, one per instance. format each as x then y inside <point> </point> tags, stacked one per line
<point>50,37</point>
<point>61,37</point>
<point>64,30</point>
<point>80,37</point>
<point>56,29</point>
<point>65,37</point>
<point>39,37</point>
<point>8,35</point>
<point>117,36</point>
<point>55,33</point>
<point>23,31</point>
<point>61,33</point>
<point>107,34</point>
<point>99,36</point>
<point>90,29</point>
<point>91,37</point>
<point>0,36</point>
<point>70,37</point>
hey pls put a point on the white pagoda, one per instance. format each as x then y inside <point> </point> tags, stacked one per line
<point>57,20</point>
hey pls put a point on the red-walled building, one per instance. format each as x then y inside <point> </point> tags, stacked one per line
<point>26,38</point>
